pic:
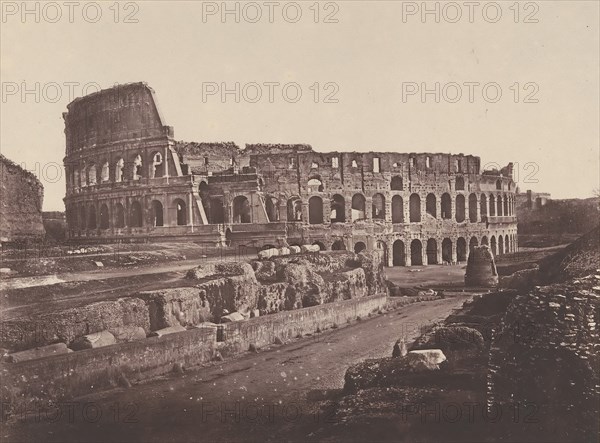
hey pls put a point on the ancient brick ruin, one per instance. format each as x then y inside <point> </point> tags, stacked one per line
<point>127,178</point>
<point>20,203</point>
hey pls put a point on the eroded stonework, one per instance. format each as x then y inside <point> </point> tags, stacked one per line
<point>129,179</point>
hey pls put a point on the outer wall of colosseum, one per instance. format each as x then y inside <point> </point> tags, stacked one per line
<point>129,179</point>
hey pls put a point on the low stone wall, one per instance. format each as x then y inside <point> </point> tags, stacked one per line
<point>263,331</point>
<point>79,373</point>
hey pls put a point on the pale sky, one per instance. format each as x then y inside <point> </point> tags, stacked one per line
<point>369,56</point>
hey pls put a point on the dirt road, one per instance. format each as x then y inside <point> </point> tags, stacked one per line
<point>271,395</point>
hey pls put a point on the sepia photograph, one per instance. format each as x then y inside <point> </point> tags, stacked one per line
<point>300,221</point>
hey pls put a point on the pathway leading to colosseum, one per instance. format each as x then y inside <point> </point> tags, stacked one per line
<point>271,395</point>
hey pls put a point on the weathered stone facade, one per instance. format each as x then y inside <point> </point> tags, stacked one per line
<point>129,179</point>
<point>21,200</point>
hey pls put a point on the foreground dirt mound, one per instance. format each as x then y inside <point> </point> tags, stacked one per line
<point>580,258</point>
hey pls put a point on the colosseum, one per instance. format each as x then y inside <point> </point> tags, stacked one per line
<point>128,179</point>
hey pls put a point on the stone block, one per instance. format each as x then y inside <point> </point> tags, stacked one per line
<point>41,352</point>
<point>95,340</point>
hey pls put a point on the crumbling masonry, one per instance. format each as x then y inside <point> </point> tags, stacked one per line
<point>128,179</point>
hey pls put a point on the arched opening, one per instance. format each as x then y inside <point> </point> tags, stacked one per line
<point>484,241</point>
<point>472,243</point>
<point>447,250</point>
<point>358,207</point>
<point>105,173</point>
<point>338,209</point>
<point>378,207</point>
<point>506,205</point>
<point>500,245</point>
<point>431,251</point>
<point>382,246</point>
<point>156,169</point>
<point>493,245</point>
<point>320,245</point>
<point>473,208</point>
<point>104,217</point>
<point>92,217</point>
<point>135,217</point>
<point>92,178</point>
<point>119,170</point>
<point>499,205</point>
<point>294,209</point>
<point>157,213</point>
<point>137,167</point>
<point>461,249</point>
<point>483,206</point>
<point>315,185</point>
<point>492,206</point>
<point>460,208</point>
<point>119,216</point>
<point>180,211</point>
<point>241,210</point>
<point>338,245</point>
<point>396,184</point>
<point>499,185</point>
<point>446,206</point>
<point>430,205</point>
<point>459,185</point>
<point>82,217</point>
<point>397,209</point>
<point>415,208</point>
<point>315,210</point>
<point>416,253</point>
<point>83,176</point>
<point>359,247</point>
<point>399,254</point>
<point>272,208</point>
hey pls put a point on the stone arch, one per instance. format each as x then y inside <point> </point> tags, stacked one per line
<point>338,245</point>
<point>315,184</point>
<point>499,185</point>
<point>180,212</point>
<point>492,205</point>
<point>432,251</point>
<point>320,245</point>
<point>397,209</point>
<point>272,208</point>
<point>137,167</point>
<point>157,213</point>
<point>378,207</point>
<point>459,184</point>
<point>92,177</point>
<point>399,253</point>
<point>156,169</point>
<point>483,206</point>
<point>500,245</point>
<point>431,205</point>
<point>241,210</point>
<point>315,210</point>
<point>460,208</point>
<point>493,245</point>
<point>294,209</point>
<point>461,249</point>
<point>416,252</point>
<point>119,164</point>
<point>119,216</point>
<point>472,243</point>
<point>498,205</point>
<point>135,215</point>
<point>359,247</point>
<point>396,183</point>
<point>415,209</point>
<point>358,207</point>
<point>473,208</point>
<point>485,241</point>
<point>506,205</point>
<point>446,206</point>
<point>382,246</point>
<point>105,173</point>
<point>91,217</point>
<point>338,209</point>
<point>447,250</point>
<point>83,176</point>
<point>104,217</point>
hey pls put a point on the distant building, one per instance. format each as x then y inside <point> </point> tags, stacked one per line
<point>532,200</point>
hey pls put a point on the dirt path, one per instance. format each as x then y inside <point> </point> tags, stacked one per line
<point>268,396</point>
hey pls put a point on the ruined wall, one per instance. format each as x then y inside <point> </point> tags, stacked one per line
<point>21,201</point>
